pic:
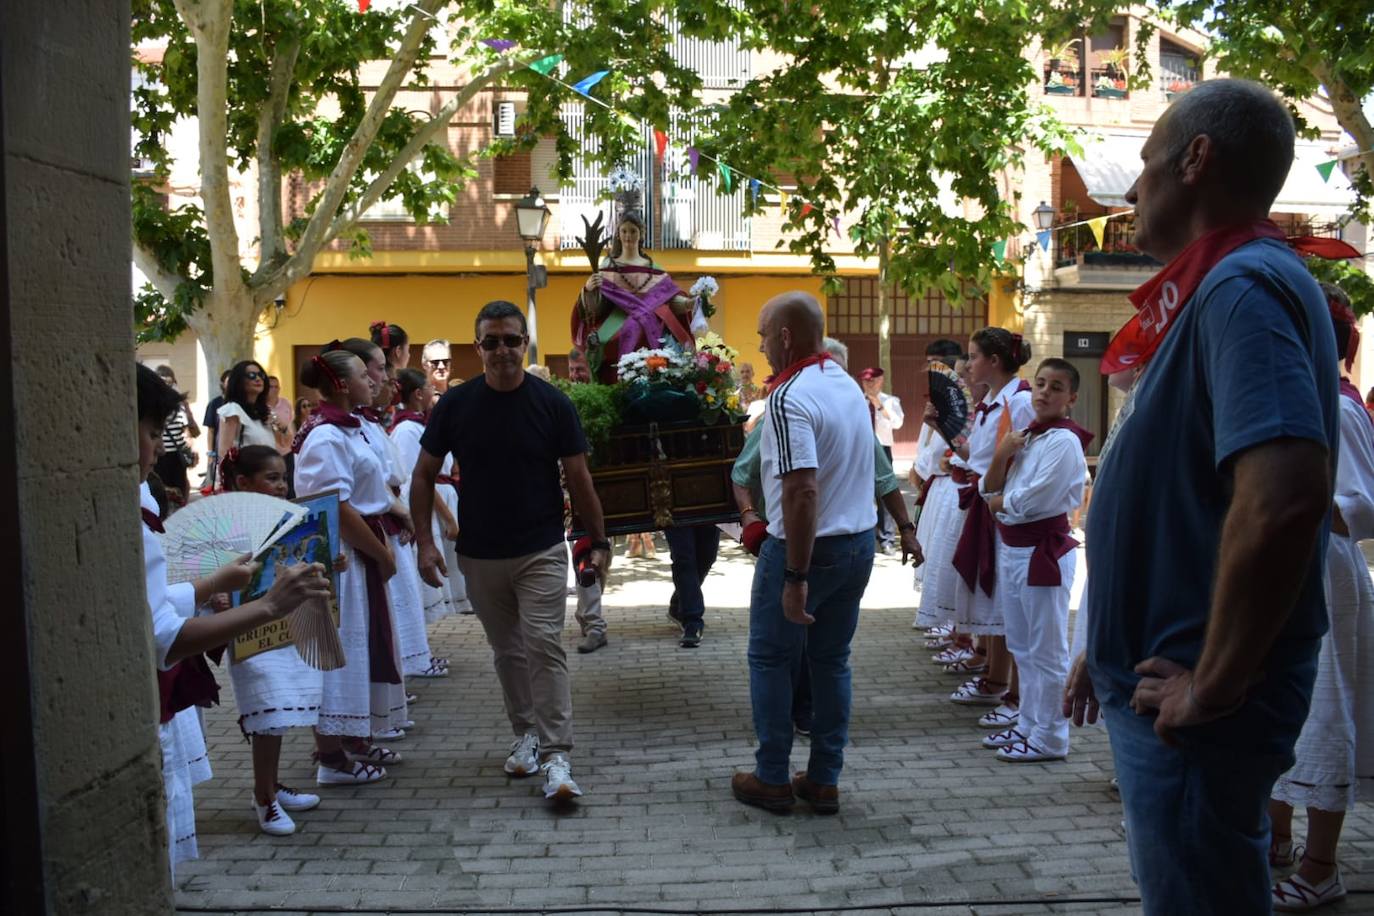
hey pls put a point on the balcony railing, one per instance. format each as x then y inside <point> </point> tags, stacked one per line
<point>1062,80</point>
<point>1177,73</point>
<point>1107,83</point>
<point>1117,248</point>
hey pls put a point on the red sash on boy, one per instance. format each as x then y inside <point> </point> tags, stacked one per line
<point>975,556</point>
<point>1161,299</point>
<point>1049,536</point>
<point>189,682</point>
<point>381,648</point>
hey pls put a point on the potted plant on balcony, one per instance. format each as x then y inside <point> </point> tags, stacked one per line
<point>1111,84</point>
<point>1176,87</point>
<point>1061,76</point>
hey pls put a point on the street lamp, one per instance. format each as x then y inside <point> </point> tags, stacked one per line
<point>1044,216</point>
<point>532,218</point>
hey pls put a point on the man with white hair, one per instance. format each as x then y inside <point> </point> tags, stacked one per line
<point>435,360</point>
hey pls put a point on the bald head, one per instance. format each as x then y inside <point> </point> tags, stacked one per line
<point>791,328</point>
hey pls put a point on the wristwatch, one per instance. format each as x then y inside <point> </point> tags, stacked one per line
<point>795,576</point>
<point>907,526</point>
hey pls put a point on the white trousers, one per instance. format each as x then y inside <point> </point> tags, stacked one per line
<point>1037,622</point>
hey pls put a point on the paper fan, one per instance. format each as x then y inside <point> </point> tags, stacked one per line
<point>316,635</point>
<point>953,404</point>
<point>217,530</point>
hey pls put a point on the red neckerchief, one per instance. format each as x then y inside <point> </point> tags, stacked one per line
<point>1040,426</point>
<point>1161,299</point>
<point>152,521</point>
<point>401,416</point>
<point>773,381</point>
<point>375,414</point>
<point>1347,389</point>
<point>324,415</point>
<point>985,407</point>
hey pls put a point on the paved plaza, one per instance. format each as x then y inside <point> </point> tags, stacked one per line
<point>928,819</point>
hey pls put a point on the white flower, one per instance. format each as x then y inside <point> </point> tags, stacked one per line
<point>705,286</point>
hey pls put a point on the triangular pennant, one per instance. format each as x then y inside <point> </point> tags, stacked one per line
<point>1099,228</point>
<point>1325,168</point>
<point>999,250</point>
<point>754,190</point>
<point>545,65</point>
<point>725,178</point>
<point>587,82</point>
<point>835,222</point>
<point>498,44</point>
<point>1042,238</point>
<point>660,143</point>
<point>782,203</point>
<point>693,157</point>
<point>806,208</point>
<point>363,5</point>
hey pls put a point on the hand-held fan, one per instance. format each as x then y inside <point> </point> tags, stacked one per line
<point>316,635</point>
<point>953,404</point>
<point>217,530</point>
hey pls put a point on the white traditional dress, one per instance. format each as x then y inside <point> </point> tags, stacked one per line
<point>1335,751</point>
<point>1036,562</point>
<point>940,514</point>
<point>975,610</point>
<point>406,430</point>
<point>338,456</point>
<point>184,759</point>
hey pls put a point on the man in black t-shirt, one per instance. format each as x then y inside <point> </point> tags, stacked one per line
<point>508,432</point>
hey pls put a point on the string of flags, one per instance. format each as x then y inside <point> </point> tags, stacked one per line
<point>1325,169</point>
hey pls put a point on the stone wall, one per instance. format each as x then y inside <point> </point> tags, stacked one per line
<point>69,458</point>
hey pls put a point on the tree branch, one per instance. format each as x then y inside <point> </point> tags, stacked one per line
<point>335,189</point>
<point>209,22</point>
<point>164,282</point>
<point>275,282</point>
<point>1349,112</point>
<point>272,246</point>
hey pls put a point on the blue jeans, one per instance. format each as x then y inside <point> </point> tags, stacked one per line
<point>840,566</point>
<point>1197,820</point>
<point>693,551</point>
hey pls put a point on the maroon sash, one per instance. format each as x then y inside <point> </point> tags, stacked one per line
<point>451,480</point>
<point>975,556</point>
<point>925,488</point>
<point>189,682</point>
<point>381,648</point>
<point>1051,540</point>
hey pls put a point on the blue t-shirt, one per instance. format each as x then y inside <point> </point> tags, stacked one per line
<point>1252,359</point>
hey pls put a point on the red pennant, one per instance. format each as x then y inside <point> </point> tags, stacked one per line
<point>363,5</point>
<point>660,143</point>
<point>806,208</point>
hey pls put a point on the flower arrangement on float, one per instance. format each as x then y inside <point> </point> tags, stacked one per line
<point>666,384</point>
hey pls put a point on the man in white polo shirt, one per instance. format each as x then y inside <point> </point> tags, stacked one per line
<point>817,464</point>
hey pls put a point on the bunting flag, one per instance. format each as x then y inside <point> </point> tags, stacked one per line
<point>693,157</point>
<point>835,221</point>
<point>1099,228</point>
<point>496,44</point>
<point>806,208</point>
<point>363,5</point>
<point>754,190</point>
<point>999,250</point>
<point>1042,238</point>
<point>545,65</point>
<point>782,203</point>
<point>725,178</point>
<point>660,143</point>
<point>1325,168</point>
<point>587,82</point>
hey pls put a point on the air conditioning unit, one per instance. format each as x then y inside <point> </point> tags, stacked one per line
<point>505,119</point>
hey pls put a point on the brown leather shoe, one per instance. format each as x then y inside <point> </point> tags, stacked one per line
<point>822,799</point>
<point>749,789</point>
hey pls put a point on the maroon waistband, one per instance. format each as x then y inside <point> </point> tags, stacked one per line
<point>383,662</point>
<point>1051,540</point>
<point>187,683</point>
<point>445,478</point>
<point>975,556</point>
<point>962,476</point>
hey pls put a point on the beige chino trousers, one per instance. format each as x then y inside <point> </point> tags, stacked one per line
<point>522,604</point>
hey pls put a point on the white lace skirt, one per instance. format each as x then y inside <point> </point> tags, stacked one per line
<point>938,532</point>
<point>276,690</point>
<point>407,608</point>
<point>346,697</point>
<point>1335,751</point>
<point>184,764</point>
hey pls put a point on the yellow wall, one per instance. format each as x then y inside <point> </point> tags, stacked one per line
<point>323,307</point>
<point>1004,305</point>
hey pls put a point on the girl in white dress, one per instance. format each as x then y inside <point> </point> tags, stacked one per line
<point>938,498</point>
<point>244,417</point>
<point>333,453</point>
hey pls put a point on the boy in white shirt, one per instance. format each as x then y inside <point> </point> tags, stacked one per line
<point>1034,482</point>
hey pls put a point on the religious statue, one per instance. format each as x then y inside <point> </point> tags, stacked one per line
<point>628,302</point>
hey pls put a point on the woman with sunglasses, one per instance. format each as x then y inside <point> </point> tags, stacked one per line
<point>244,417</point>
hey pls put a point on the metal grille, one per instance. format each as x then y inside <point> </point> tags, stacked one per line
<point>720,64</point>
<point>589,191</point>
<point>854,310</point>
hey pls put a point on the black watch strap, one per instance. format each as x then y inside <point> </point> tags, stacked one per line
<point>793,575</point>
<point>907,526</point>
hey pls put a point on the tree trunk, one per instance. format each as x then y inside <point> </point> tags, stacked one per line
<point>224,324</point>
<point>884,318</point>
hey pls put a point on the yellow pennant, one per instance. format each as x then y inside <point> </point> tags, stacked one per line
<point>782,203</point>
<point>1099,228</point>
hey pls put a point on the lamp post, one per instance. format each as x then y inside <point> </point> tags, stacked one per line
<point>1044,216</point>
<point>532,218</point>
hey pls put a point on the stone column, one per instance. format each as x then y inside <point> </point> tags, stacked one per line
<point>82,808</point>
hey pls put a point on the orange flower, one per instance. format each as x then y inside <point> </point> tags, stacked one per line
<point>655,363</point>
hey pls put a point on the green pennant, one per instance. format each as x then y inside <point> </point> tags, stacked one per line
<point>1325,169</point>
<point>545,65</point>
<point>999,250</point>
<point>724,175</point>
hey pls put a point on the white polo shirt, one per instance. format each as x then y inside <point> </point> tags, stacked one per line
<point>819,419</point>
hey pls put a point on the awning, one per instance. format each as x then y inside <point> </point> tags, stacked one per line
<point>1111,162</point>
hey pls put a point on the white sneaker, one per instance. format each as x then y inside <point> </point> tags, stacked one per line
<point>524,756</point>
<point>361,773</point>
<point>1293,894</point>
<point>1002,739</point>
<point>558,781</point>
<point>1025,752</point>
<point>1004,716</point>
<point>273,821</point>
<point>391,734</point>
<point>291,800</point>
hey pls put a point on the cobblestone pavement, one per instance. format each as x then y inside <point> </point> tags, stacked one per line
<point>927,817</point>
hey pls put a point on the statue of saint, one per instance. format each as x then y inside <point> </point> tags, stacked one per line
<point>628,303</point>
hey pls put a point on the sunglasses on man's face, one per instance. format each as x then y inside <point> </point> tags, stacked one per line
<point>509,341</point>
<point>439,363</point>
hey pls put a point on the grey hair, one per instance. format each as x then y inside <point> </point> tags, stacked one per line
<point>1249,126</point>
<point>838,351</point>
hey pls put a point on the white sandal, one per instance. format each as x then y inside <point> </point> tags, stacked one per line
<point>1294,894</point>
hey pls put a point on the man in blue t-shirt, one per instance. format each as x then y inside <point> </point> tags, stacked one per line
<point>508,432</point>
<point>1210,509</point>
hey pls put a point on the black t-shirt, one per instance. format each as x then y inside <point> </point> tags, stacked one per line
<point>506,445</point>
<point>211,421</point>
